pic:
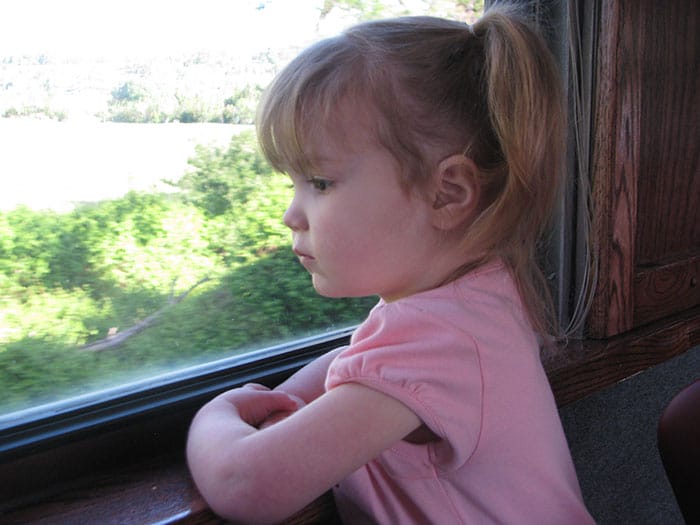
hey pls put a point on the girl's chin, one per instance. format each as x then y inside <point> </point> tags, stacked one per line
<point>327,289</point>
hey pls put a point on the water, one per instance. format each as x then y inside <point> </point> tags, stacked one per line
<point>46,164</point>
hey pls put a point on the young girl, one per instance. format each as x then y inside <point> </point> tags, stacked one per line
<point>424,155</point>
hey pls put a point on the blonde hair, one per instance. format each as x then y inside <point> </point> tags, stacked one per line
<point>438,87</point>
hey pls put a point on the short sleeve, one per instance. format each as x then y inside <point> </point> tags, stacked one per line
<point>410,352</point>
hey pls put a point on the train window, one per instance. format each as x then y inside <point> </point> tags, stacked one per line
<point>141,241</point>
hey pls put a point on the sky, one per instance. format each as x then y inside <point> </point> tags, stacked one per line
<point>85,161</point>
<point>114,28</point>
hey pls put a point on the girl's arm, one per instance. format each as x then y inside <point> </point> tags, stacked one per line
<point>308,383</point>
<point>265,475</point>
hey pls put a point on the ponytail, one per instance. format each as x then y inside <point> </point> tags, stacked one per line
<point>525,101</point>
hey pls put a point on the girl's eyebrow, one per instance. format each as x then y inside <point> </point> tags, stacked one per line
<point>322,159</point>
<point>323,163</point>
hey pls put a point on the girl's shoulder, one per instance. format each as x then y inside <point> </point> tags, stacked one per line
<point>482,308</point>
<point>488,287</point>
<point>461,306</point>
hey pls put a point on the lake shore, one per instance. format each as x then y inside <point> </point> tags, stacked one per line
<point>47,164</point>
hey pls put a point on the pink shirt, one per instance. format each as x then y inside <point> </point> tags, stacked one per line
<point>464,358</point>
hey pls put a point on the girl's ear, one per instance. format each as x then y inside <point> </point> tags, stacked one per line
<point>456,192</point>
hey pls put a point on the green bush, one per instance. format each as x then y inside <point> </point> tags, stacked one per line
<point>69,279</point>
<point>237,186</point>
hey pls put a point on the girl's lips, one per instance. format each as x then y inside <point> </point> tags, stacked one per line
<point>301,254</point>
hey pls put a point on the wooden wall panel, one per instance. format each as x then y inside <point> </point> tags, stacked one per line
<point>614,171</point>
<point>646,163</point>
<point>666,290</point>
<point>668,211</point>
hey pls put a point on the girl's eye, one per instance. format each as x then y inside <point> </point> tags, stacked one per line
<point>319,184</point>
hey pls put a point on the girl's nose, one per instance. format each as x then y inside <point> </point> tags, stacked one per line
<point>294,218</point>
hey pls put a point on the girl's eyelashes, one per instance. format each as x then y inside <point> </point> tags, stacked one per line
<point>320,184</point>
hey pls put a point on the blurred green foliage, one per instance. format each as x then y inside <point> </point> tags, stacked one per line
<point>132,102</point>
<point>68,279</point>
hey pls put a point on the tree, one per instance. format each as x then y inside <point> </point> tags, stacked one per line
<point>128,92</point>
<point>466,10</point>
<point>240,107</point>
<point>239,189</point>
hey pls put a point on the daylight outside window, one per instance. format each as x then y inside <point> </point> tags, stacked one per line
<point>140,228</point>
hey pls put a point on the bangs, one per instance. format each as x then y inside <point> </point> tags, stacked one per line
<point>280,132</point>
<point>300,103</point>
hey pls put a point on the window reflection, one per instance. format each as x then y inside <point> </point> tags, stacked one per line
<point>140,229</point>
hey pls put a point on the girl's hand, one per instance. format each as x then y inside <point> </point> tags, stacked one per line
<point>279,415</point>
<point>257,405</point>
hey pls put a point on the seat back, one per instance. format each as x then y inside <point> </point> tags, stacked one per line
<point>679,446</point>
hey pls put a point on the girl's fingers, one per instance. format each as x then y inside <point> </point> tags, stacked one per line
<point>254,406</point>
<point>255,386</point>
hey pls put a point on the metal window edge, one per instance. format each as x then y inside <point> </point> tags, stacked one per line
<point>27,431</point>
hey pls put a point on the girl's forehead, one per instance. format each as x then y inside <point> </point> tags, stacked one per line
<point>349,127</point>
<point>329,150</point>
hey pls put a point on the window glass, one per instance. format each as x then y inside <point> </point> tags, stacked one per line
<point>140,228</point>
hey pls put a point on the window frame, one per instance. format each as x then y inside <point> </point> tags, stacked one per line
<point>44,426</point>
<point>126,424</point>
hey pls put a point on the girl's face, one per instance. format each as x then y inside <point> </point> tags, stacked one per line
<point>354,228</point>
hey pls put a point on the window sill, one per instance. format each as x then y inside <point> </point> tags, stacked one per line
<point>156,492</point>
<point>153,485</point>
